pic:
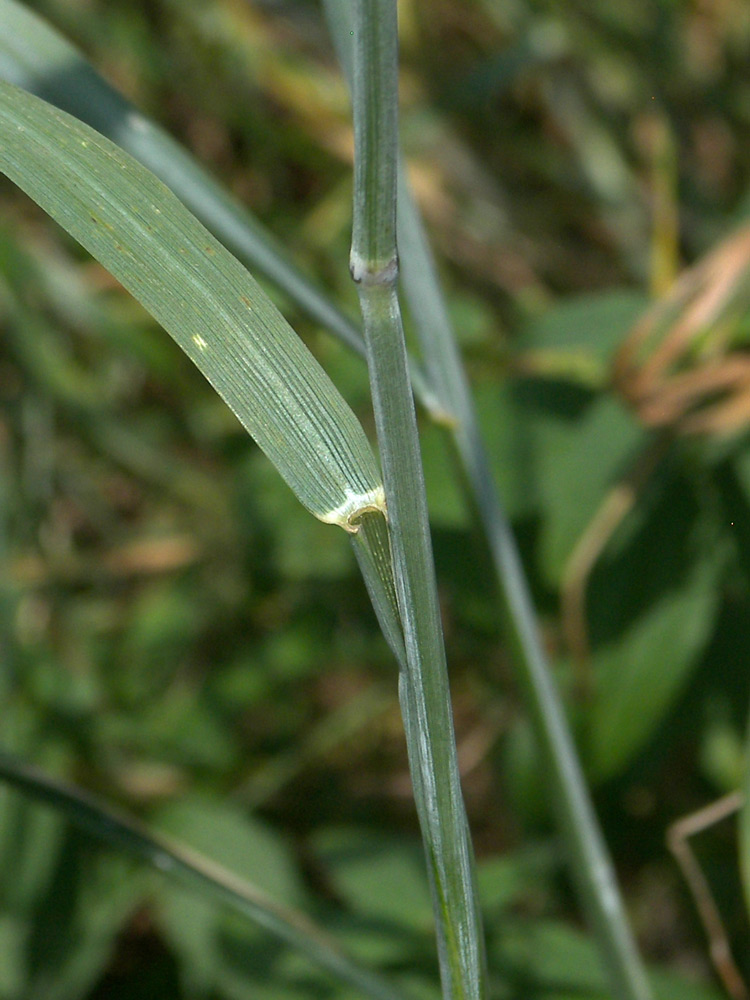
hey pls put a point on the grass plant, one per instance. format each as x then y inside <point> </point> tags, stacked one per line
<point>423,684</point>
<point>140,205</point>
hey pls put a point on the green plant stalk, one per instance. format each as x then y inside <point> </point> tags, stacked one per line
<point>589,858</point>
<point>423,686</point>
<point>590,863</point>
<point>195,871</point>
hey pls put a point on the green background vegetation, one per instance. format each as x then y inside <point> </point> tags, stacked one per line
<point>180,637</point>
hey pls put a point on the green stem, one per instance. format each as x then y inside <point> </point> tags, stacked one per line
<point>425,697</point>
<point>590,863</point>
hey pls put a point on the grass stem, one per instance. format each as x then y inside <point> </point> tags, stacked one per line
<point>590,863</point>
<point>424,693</point>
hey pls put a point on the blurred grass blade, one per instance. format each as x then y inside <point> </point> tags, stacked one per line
<point>203,296</point>
<point>194,870</point>
<point>37,58</point>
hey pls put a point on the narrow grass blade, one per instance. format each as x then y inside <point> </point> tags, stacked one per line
<point>37,58</point>
<point>132,224</point>
<point>424,693</point>
<point>210,880</point>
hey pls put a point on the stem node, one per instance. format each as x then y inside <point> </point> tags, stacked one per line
<point>369,273</point>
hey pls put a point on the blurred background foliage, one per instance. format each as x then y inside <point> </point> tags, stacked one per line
<point>178,636</point>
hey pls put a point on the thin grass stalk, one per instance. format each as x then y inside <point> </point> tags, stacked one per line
<point>590,862</point>
<point>197,872</point>
<point>423,687</point>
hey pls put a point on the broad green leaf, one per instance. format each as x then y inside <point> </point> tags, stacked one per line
<point>580,443</point>
<point>244,846</point>
<point>77,919</point>
<point>29,844</point>
<point>577,339</point>
<point>132,224</point>
<point>550,959</point>
<point>577,458</point>
<point>377,876</point>
<point>639,676</point>
<point>512,878</point>
<point>12,934</point>
<point>241,843</point>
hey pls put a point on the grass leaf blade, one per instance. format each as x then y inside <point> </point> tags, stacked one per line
<point>203,296</point>
<point>195,871</point>
<point>37,58</point>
